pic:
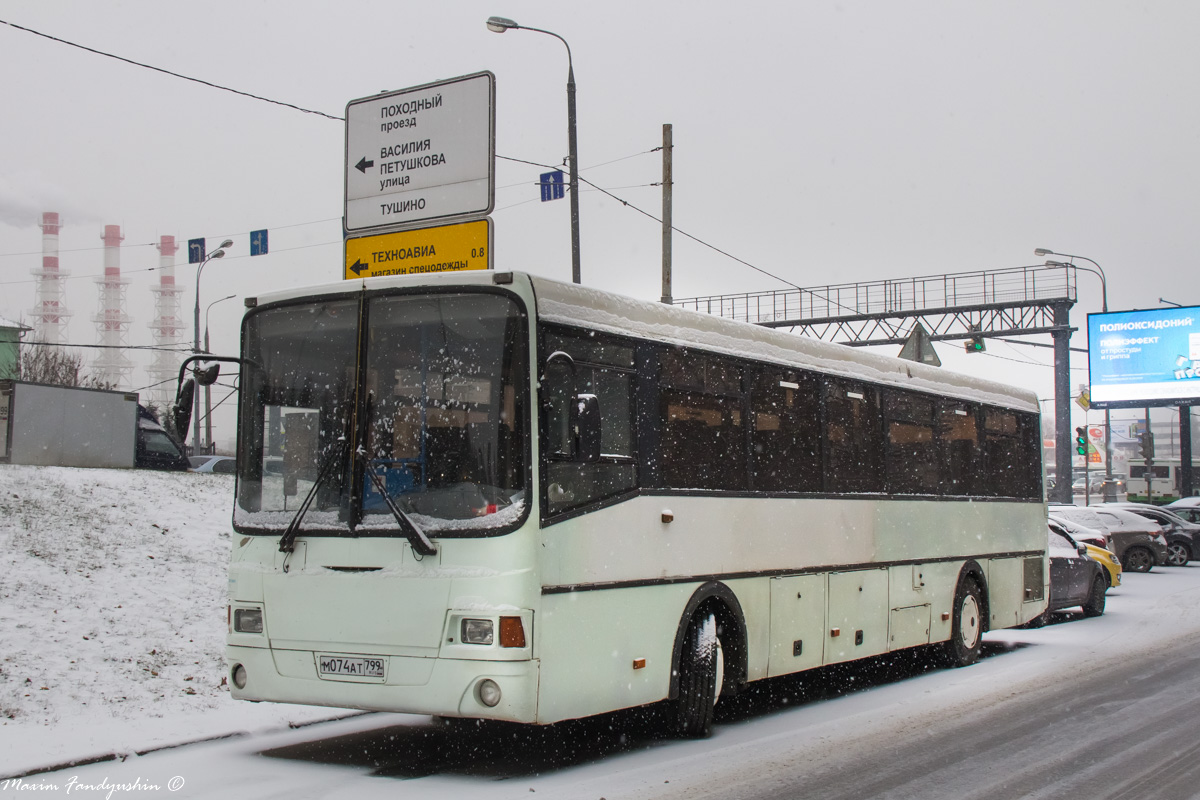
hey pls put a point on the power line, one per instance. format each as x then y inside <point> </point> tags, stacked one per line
<point>169,72</point>
<point>180,349</point>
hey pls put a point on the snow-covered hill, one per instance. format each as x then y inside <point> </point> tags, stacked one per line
<point>113,613</point>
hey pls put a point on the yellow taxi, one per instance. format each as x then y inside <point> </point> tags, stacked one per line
<point>1108,560</point>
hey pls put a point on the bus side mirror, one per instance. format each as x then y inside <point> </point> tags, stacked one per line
<point>181,413</point>
<point>585,428</point>
<point>208,375</point>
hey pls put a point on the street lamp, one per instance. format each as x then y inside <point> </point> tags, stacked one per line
<point>502,24</point>
<point>218,253</point>
<point>208,387</point>
<point>1042,252</point>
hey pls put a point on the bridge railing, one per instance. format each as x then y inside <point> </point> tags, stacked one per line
<point>1012,286</point>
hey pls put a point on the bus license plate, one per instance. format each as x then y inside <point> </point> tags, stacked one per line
<point>351,667</point>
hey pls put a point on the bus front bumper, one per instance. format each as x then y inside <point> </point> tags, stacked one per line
<point>440,686</point>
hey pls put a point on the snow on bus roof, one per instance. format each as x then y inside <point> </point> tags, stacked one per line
<point>571,304</point>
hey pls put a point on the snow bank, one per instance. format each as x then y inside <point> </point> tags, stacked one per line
<point>113,613</point>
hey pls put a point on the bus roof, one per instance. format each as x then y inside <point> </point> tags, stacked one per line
<point>572,304</point>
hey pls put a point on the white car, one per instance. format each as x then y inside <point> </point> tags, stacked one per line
<point>223,465</point>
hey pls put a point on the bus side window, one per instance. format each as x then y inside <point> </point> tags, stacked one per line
<point>958,429</point>
<point>596,367</point>
<point>1011,456</point>
<point>911,461</point>
<point>852,437</point>
<point>703,434</point>
<point>785,434</point>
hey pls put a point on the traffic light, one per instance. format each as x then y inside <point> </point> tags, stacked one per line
<point>1081,442</point>
<point>975,344</point>
<point>1146,444</point>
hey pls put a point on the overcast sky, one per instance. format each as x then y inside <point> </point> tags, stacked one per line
<point>823,142</point>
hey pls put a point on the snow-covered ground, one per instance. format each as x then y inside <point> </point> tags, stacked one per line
<point>112,614</point>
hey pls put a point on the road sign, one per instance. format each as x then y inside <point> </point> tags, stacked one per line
<point>195,251</point>
<point>446,248</point>
<point>918,347</point>
<point>552,185</point>
<point>258,243</point>
<point>1084,400</point>
<point>421,154</point>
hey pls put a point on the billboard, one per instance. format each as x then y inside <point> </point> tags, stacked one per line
<point>1144,358</point>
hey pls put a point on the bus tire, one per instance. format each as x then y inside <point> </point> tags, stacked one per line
<point>966,632</point>
<point>699,670</point>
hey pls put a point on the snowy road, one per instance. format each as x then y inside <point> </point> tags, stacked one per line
<point>1095,708</point>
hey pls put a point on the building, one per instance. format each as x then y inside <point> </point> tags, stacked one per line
<point>10,347</point>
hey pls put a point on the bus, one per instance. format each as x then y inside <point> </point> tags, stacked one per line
<point>1160,482</point>
<point>489,495</point>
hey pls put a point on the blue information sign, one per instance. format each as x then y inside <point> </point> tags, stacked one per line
<point>552,185</point>
<point>258,242</point>
<point>195,251</point>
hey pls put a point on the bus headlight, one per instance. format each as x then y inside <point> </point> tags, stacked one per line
<point>489,692</point>
<point>477,631</point>
<point>248,620</point>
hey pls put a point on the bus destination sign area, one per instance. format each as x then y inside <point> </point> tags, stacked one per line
<point>421,154</point>
<point>446,248</point>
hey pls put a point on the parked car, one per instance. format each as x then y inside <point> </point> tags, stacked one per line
<point>1138,542</point>
<point>1108,560</point>
<point>154,448</point>
<point>222,465</point>
<point>1084,533</point>
<point>1186,507</point>
<point>1075,579</point>
<point>1095,483</point>
<point>1183,537</point>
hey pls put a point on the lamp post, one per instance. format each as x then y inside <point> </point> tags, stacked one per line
<point>1041,252</point>
<point>208,389</point>
<point>502,24</point>
<point>218,253</point>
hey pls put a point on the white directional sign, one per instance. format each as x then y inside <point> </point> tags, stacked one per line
<point>421,154</point>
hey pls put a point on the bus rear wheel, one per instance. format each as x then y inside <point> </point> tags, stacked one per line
<point>966,633</point>
<point>700,668</point>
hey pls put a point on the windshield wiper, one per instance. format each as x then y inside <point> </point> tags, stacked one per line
<point>287,542</point>
<point>420,543</point>
<point>416,537</point>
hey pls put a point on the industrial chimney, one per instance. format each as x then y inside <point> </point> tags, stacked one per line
<point>49,313</point>
<point>112,367</point>
<point>167,327</point>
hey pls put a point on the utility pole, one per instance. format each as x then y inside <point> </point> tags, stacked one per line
<point>667,182</point>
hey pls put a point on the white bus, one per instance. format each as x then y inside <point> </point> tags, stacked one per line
<point>491,495</point>
<point>1160,482</point>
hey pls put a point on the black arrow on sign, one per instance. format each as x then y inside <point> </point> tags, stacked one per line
<point>362,165</point>
<point>358,266</point>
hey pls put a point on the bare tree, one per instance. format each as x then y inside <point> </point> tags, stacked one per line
<point>41,363</point>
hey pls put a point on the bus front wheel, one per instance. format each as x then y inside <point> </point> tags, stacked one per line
<point>700,673</point>
<point>966,634</point>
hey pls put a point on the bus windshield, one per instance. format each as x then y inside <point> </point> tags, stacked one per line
<point>420,397</point>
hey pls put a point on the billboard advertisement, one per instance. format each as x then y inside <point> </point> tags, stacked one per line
<point>1144,358</point>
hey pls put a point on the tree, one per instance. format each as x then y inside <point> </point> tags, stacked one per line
<point>42,363</point>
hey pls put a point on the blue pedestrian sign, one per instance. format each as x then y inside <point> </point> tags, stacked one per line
<point>258,242</point>
<point>552,185</point>
<point>195,251</point>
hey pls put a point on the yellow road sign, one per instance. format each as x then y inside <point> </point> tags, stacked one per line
<point>446,248</point>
